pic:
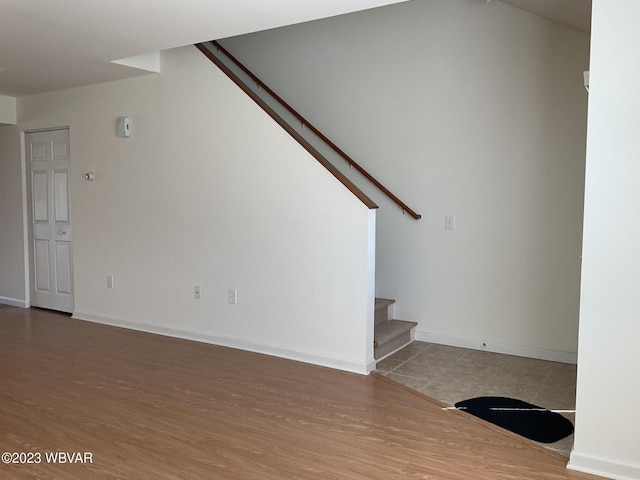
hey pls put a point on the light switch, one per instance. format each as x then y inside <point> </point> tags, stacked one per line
<point>233,296</point>
<point>449,222</point>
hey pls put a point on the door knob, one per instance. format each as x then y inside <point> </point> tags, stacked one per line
<point>62,232</point>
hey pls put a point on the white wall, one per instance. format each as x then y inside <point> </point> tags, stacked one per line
<point>7,110</point>
<point>12,279</point>
<point>466,108</point>
<point>209,191</point>
<point>607,423</point>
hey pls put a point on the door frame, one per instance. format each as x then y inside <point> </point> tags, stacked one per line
<point>27,228</point>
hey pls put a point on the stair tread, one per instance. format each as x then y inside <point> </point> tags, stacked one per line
<point>384,302</point>
<point>390,329</point>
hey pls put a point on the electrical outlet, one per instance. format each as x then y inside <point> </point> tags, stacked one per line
<point>233,296</point>
<point>196,292</point>
<point>109,281</point>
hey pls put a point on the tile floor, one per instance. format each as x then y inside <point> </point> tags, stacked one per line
<point>452,374</point>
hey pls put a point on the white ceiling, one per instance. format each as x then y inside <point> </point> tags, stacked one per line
<point>50,45</point>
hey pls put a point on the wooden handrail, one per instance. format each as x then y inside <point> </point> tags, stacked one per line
<point>289,129</point>
<point>303,121</point>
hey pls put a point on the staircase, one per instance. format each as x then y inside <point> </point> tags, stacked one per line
<point>389,335</point>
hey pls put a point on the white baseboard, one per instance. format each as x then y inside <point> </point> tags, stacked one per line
<point>371,366</point>
<point>604,467</point>
<point>14,302</point>
<point>508,349</point>
<point>324,361</point>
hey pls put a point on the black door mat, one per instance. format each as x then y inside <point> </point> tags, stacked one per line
<point>530,421</point>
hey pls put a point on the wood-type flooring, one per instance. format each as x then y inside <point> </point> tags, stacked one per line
<point>151,407</point>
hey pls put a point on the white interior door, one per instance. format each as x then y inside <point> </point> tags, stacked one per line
<point>51,268</point>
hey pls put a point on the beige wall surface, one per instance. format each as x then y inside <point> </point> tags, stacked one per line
<point>209,191</point>
<point>465,108</point>
<point>8,112</point>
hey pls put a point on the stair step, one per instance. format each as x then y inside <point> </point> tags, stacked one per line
<point>382,310</point>
<point>384,302</point>
<point>391,336</point>
<point>386,331</point>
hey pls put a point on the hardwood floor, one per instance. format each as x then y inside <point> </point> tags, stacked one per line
<point>152,407</point>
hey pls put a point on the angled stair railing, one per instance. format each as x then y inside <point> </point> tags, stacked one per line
<point>213,49</point>
<point>288,128</point>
